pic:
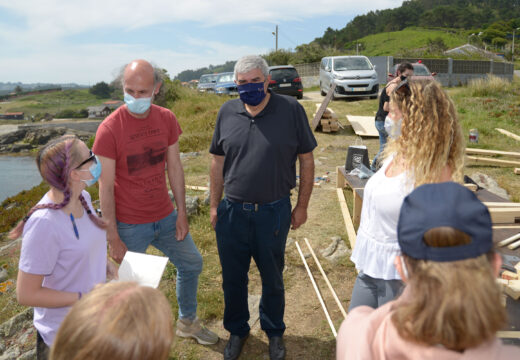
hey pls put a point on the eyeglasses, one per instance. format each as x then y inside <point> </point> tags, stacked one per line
<point>91,157</point>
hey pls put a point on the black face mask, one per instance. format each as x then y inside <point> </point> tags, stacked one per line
<point>403,77</point>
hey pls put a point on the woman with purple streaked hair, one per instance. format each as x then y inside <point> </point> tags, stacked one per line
<point>64,250</point>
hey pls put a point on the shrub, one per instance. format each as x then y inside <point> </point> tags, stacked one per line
<point>490,86</point>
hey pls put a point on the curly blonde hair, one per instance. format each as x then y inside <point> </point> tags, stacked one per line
<point>431,135</point>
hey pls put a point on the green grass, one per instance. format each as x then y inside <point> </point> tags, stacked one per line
<point>52,102</point>
<point>401,42</point>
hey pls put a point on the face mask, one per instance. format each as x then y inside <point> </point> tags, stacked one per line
<point>95,171</point>
<point>392,128</point>
<point>138,106</point>
<point>252,93</point>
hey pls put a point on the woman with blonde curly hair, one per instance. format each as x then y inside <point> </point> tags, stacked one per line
<point>426,146</point>
<point>450,308</point>
<point>116,321</point>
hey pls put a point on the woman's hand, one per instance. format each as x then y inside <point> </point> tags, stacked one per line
<point>112,271</point>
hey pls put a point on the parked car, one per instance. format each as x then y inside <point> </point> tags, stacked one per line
<point>207,83</point>
<point>355,76</point>
<point>420,71</point>
<point>285,80</point>
<point>225,84</point>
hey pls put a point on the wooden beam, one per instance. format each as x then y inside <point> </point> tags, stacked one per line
<point>493,161</point>
<point>517,171</point>
<point>497,227</point>
<point>358,202</point>
<point>504,215</point>
<point>509,240</point>
<point>323,107</point>
<point>508,133</point>
<point>201,188</point>
<point>514,245</point>
<point>508,334</point>
<point>351,232</point>
<point>491,204</point>
<point>492,152</point>
<point>340,179</point>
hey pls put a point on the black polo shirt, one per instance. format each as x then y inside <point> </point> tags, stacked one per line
<point>260,152</point>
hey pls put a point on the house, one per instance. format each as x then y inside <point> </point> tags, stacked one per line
<point>113,104</point>
<point>12,116</point>
<point>98,111</point>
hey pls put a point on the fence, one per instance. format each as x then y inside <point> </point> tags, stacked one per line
<point>449,72</point>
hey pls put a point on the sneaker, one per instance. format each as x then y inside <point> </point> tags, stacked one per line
<point>194,329</point>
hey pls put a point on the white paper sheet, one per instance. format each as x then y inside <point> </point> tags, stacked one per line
<point>144,269</point>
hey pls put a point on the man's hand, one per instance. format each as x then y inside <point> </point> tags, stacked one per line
<point>298,217</point>
<point>213,216</point>
<point>182,226</point>
<point>116,247</point>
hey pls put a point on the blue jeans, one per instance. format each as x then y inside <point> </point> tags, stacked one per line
<point>183,254</point>
<point>380,126</point>
<point>244,231</point>
<point>373,292</point>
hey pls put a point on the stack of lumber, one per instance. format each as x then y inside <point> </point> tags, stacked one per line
<point>329,120</point>
<point>510,282</point>
<point>487,157</point>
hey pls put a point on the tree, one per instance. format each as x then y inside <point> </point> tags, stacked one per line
<point>18,89</point>
<point>101,90</point>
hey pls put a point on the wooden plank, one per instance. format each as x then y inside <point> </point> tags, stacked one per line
<point>508,334</point>
<point>508,133</point>
<point>501,204</point>
<point>363,125</point>
<point>351,233</point>
<point>504,215</point>
<point>323,107</point>
<point>498,227</point>
<point>340,179</point>
<point>517,171</point>
<point>201,188</point>
<point>358,202</point>
<point>509,240</point>
<point>493,161</point>
<point>514,245</point>
<point>492,152</point>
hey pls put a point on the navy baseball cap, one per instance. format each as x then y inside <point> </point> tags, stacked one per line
<point>444,204</point>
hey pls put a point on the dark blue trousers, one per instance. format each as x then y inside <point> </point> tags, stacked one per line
<point>258,231</point>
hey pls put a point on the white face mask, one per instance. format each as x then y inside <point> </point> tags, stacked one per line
<point>393,128</point>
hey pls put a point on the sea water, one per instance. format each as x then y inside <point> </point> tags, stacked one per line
<point>17,173</point>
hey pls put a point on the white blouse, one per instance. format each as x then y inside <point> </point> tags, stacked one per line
<point>376,242</point>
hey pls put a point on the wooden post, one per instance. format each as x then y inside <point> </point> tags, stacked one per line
<point>340,179</point>
<point>358,202</point>
<point>347,219</point>
<point>508,133</point>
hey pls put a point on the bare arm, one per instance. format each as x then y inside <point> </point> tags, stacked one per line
<point>299,214</point>
<point>176,179</point>
<point>29,292</point>
<point>216,186</point>
<point>117,248</point>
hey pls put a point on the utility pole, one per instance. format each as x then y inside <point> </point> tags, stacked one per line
<point>276,35</point>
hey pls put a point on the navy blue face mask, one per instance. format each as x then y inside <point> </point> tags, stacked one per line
<point>251,93</point>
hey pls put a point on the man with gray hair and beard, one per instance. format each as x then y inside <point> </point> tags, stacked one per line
<point>135,144</point>
<point>255,145</point>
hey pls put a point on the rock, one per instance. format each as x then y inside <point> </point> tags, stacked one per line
<point>16,148</point>
<point>189,154</point>
<point>253,303</point>
<point>12,353</point>
<point>29,355</point>
<point>207,198</point>
<point>289,242</point>
<point>336,250</point>
<point>488,183</point>
<point>192,205</point>
<point>12,137</point>
<point>3,275</point>
<point>2,347</point>
<point>13,325</point>
<point>41,136</point>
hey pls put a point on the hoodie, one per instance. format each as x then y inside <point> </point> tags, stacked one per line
<point>369,334</point>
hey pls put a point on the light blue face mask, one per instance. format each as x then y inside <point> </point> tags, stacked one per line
<point>138,106</point>
<point>95,171</point>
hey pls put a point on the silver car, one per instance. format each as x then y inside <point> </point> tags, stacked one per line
<point>207,83</point>
<point>355,76</point>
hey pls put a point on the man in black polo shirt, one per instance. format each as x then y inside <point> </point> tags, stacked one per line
<point>256,143</point>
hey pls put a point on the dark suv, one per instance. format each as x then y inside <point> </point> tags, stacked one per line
<point>285,80</point>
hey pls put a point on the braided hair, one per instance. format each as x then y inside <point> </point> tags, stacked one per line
<point>54,163</point>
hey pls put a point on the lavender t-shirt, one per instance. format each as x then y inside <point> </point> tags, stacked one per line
<point>50,248</point>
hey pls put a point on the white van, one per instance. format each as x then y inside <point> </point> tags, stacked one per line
<point>355,76</point>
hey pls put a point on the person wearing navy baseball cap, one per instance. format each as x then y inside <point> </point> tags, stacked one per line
<point>450,307</point>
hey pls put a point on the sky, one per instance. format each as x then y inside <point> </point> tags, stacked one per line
<point>87,41</point>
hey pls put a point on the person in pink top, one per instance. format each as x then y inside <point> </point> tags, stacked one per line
<point>64,249</point>
<point>450,308</point>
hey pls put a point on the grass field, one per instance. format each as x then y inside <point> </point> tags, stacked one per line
<point>52,102</point>
<point>399,42</point>
<point>307,335</point>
